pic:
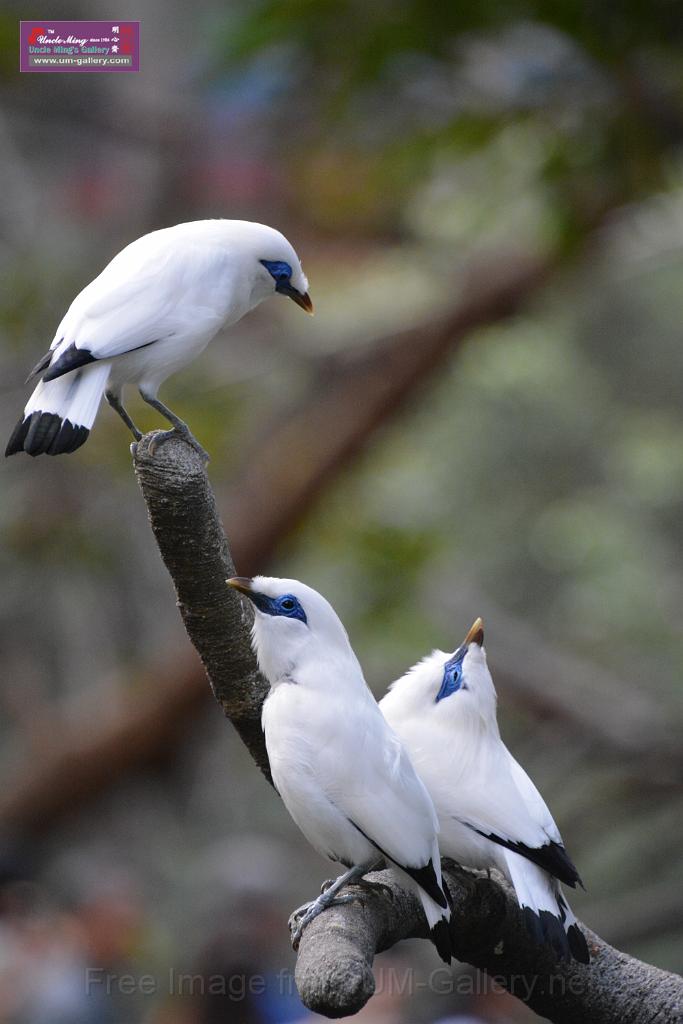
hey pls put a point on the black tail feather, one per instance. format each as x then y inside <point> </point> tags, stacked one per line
<point>578,944</point>
<point>42,432</point>
<point>16,441</point>
<point>555,935</point>
<point>441,937</point>
<point>533,925</point>
<point>46,433</point>
<point>547,929</point>
<point>69,439</point>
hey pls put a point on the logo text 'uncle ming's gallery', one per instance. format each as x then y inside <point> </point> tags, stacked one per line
<point>79,45</point>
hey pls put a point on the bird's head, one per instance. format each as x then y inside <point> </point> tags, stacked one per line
<point>262,262</point>
<point>288,279</point>
<point>278,269</point>
<point>449,687</point>
<point>294,626</point>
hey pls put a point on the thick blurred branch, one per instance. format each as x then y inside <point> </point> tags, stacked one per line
<point>334,967</point>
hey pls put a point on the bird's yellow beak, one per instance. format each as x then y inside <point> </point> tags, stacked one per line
<point>476,634</point>
<point>241,583</point>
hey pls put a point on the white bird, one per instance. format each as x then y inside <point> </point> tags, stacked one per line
<point>151,311</point>
<point>490,812</point>
<point>342,773</point>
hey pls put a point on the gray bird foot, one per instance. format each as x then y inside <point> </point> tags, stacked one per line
<point>163,435</point>
<point>362,884</point>
<point>300,918</point>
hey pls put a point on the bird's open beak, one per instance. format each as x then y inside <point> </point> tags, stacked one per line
<point>476,634</point>
<point>241,583</point>
<point>302,299</point>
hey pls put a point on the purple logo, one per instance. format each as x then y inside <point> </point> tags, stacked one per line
<point>79,45</point>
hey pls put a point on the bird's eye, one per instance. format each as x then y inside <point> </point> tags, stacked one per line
<point>288,604</point>
<point>452,680</point>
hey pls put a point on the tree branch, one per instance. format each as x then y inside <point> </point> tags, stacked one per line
<point>187,527</point>
<point>333,970</point>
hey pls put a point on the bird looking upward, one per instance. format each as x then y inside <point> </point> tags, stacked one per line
<point>342,773</point>
<point>151,311</point>
<point>490,812</point>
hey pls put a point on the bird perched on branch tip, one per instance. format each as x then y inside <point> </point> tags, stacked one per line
<point>151,311</point>
<point>342,773</point>
<point>490,812</point>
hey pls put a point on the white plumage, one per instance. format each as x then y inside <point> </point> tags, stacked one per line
<point>342,773</point>
<point>151,311</point>
<point>490,812</point>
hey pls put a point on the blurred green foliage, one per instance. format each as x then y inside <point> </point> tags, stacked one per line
<point>387,88</point>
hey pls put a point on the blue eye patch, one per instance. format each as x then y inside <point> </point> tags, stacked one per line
<point>287,605</point>
<point>280,271</point>
<point>452,675</point>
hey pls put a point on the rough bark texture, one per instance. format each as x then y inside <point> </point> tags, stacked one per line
<point>334,967</point>
<point>187,527</point>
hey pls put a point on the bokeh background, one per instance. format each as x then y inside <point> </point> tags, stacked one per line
<point>425,157</point>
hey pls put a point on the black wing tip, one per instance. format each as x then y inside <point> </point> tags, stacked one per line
<point>425,876</point>
<point>552,857</point>
<point>42,363</point>
<point>46,433</point>
<point>427,880</point>
<point>571,875</point>
<point>69,360</point>
<point>441,937</point>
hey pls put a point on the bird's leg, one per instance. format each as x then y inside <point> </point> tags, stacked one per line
<point>364,883</point>
<point>180,428</point>
<point>115,403</point>
<point>306,913</point>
